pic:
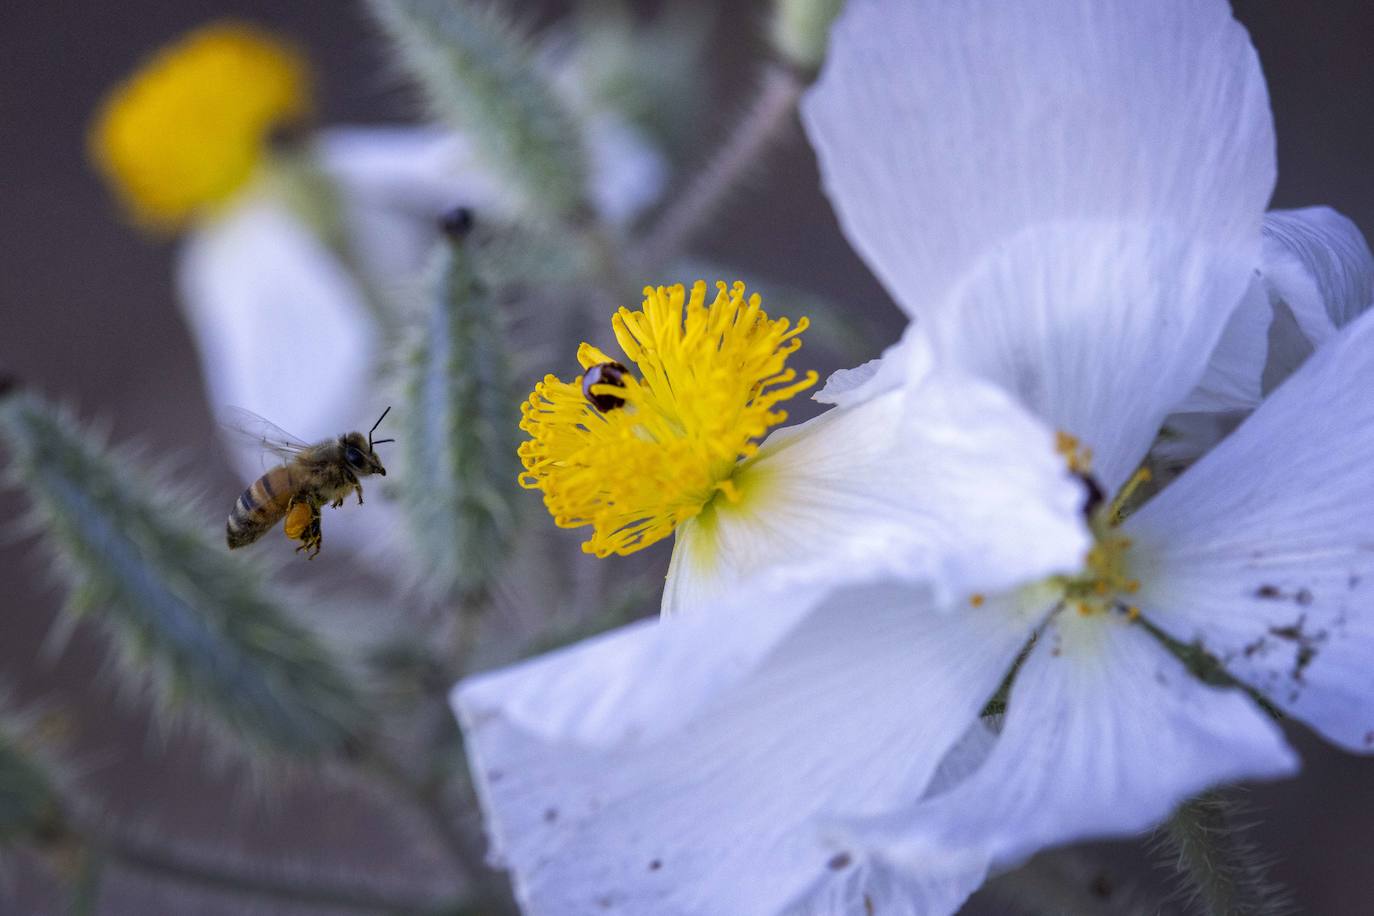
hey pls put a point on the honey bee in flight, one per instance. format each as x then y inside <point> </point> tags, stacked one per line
<point>308,477</point>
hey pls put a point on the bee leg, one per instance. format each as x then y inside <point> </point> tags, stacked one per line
<point>360,493</point>
<point>312,538</point>
<point>303,524</point>
<point>336,503</point>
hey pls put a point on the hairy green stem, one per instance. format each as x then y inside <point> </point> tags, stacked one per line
<point>1222,873</point>
<point>762,122</point>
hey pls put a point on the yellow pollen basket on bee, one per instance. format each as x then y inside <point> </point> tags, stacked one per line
<point>635,448</point>
<point>189,129</point>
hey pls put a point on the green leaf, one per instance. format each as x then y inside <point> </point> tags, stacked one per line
<point>204,631</point>
<point>458,434</point>
<point>481,76</point>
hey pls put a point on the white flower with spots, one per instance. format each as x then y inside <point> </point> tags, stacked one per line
<point>1069,197</point>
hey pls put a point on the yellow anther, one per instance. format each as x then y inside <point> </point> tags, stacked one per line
<point>190,128</point>
<point>1118,508</point>
<point>709,379</point>
<point>976,599</point>
<point>1078,457</point>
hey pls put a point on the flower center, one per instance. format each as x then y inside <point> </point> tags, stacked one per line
<point>191,126</point>
<point>636,455</point>
<point>1105,583</point>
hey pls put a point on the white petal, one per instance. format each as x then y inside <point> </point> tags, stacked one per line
<point>908,359</point>
<point>871,886</point>
<point>1317,262</point>
<point>280,325</point>
<point>1232,381</point>
<point>948,483</point>
<point>847,715</point>
<point>945,128</point>
<point>1105,734</point>
<point>394,183</point>
<point>1099,329</point>
<point>1264,550</point>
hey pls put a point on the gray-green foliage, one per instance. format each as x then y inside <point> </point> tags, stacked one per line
<point>29,804</point>
<point>480,75</point>
<point>651,72</point>
<point>458,433</point>
<point>202,629</point>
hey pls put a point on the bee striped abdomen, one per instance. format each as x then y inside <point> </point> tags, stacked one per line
<point>260,506</point>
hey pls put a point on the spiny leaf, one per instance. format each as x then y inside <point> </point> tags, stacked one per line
<point>1220,871</point>
<point>204,631</point>
<point>480,76</point>
<point>458,441</point>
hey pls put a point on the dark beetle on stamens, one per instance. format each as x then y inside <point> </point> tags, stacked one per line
<point>604,374</point>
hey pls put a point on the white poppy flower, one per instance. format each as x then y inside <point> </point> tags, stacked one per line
<point>687,766</point>
<point>1070,197</point>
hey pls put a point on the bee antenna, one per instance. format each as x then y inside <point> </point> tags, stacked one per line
<point>381,442</point>
<point>370,443</point>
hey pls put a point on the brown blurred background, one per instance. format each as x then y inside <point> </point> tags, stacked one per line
<point>86,314</point>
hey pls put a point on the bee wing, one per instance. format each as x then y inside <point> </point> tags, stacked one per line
<point>258,432</point>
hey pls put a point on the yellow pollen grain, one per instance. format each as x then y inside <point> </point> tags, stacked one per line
<point>1132,613</point>
<point>976,600</point>
<point>702,389</point>
<point>186,131</point>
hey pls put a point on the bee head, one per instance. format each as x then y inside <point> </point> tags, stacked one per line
<point>359,456</point>
<point>359,452</point>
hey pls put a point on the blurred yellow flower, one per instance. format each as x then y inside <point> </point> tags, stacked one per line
<point>189,128</point>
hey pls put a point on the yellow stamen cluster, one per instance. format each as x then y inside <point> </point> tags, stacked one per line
<point>189,129</point>
<point>1105,580</point>
<point>709,378</point>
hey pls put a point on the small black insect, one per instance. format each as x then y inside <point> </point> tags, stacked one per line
<point>604,374</point>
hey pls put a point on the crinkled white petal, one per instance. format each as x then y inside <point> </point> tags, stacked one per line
<point>869,885</point>
<point>1264,550</point>
<point>1232,380</point>
<point>945,128</point>
<point>908,359</point>
<point>947,482</point>
<point>1105,734</point>
<point>848,713</point>
<point>1319,274</point>
<point>1101,330</point>
<point>1317,262</point>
